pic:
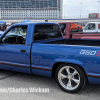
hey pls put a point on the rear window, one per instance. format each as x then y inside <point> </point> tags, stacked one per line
<point>43,32</point>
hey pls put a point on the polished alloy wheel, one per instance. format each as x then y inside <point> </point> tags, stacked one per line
<point>69,77</point>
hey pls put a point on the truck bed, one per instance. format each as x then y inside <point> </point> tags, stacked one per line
<point>76,42</point>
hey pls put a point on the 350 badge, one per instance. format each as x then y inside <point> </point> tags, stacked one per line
<point>90,52</point>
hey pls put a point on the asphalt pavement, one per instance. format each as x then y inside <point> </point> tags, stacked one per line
<point>15,80</point>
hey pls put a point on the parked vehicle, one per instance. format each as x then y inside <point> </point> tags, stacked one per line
<point>79,32</point>
<point>38,48</point>
<point>92,27</point>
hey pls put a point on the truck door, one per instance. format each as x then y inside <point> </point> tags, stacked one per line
<point>13,49</point>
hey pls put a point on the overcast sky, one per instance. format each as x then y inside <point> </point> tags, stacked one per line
<point>73,7</point>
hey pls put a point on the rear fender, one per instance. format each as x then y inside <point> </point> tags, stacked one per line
<point>72,61</point>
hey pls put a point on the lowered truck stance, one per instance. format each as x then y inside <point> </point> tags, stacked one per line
<point>38,48</point>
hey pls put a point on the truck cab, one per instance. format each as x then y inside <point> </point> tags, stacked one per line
<point>69,29</point>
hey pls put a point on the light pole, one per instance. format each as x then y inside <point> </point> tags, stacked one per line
<point>98,7</point>
<point>81,9</point>
<point>64,10</point>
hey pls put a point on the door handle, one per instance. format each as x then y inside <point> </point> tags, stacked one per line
<point>23,51</point>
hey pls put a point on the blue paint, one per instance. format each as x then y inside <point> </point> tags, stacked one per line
<point>43,56</point>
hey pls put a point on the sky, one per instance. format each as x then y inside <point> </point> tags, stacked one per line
<point>73,7</point>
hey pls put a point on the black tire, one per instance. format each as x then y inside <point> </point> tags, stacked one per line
<point>70,78</point>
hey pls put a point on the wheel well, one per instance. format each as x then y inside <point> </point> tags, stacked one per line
<point>55,66</point>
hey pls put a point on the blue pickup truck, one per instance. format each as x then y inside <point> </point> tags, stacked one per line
<point>38,48</point>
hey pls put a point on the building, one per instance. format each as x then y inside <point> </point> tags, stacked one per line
<point>31,9</point>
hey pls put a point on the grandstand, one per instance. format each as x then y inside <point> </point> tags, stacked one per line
<point>31,9</point>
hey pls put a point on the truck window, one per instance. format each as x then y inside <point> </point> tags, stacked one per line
<point>90,26</point>
<point>76,27</point>
<point>63,28</point>
<point>43,32</point>
<point>16,35</point>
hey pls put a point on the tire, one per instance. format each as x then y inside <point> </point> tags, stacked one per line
<point>70,78</point>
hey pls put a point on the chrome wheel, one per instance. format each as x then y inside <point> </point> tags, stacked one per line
<point>69,77</point>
